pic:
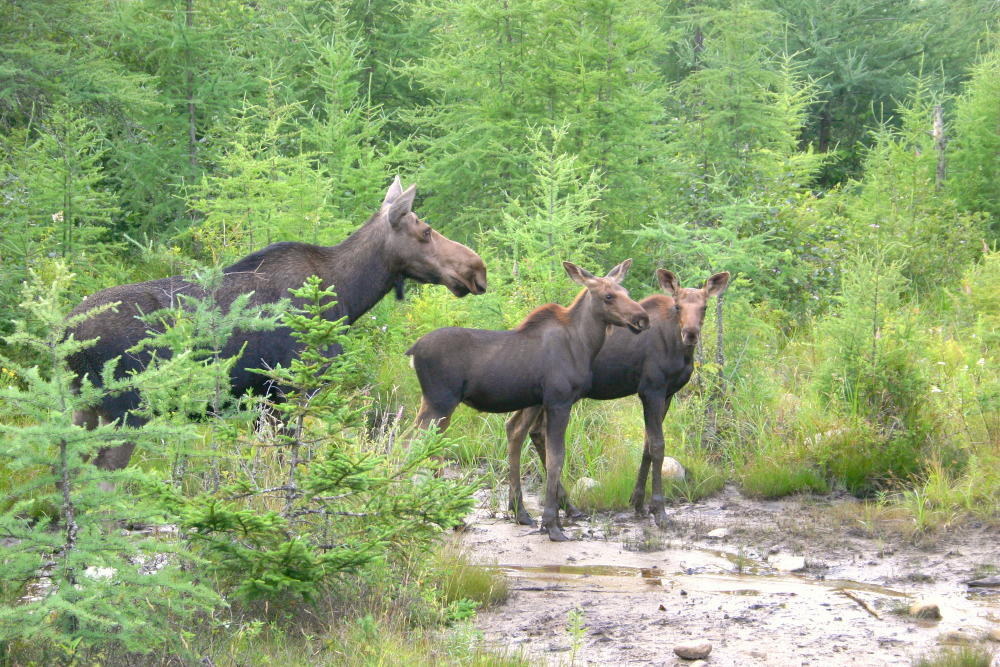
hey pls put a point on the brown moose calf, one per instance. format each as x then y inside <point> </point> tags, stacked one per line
<point>545,362</point>
<point>655,366</point>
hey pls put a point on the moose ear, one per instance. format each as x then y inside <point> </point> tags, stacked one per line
<point>619,272</point>
<point>394,191</point>
<point>717,284</point>
<point>581,276</point>
<point>668,281</point>
<point>401,205</point>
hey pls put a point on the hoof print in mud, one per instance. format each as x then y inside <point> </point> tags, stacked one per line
<point>694,650</point>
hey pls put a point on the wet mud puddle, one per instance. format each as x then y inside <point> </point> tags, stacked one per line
<point>592,601</point>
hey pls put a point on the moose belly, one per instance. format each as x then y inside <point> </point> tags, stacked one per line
<point>496,396</point>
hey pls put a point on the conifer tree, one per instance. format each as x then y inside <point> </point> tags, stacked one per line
<point>82,585</point>
<point>973,165</point>
<point>496,70</point>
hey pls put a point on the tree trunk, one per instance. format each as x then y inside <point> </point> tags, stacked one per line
<point>940,143</point>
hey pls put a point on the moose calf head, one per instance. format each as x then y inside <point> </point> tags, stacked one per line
<point>611,300</point>
<point>690,303</point>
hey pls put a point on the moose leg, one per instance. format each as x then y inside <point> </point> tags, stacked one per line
<point>430,414</point>
<point>556,419</point>
<point>537,434</point>
<point>517,429</point>
<point>654,408</point>
<point>108,458</point>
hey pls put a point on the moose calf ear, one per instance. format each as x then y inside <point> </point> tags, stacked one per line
<point>619,272</point>
<point>401,205</point>
<point>394,191</point>
<point>717,284</point>
<point>668,281</point>
<point>578,275</point>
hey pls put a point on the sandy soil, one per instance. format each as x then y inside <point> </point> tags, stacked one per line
<point>626,592</point>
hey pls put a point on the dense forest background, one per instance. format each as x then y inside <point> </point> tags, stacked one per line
<point>841,158</point>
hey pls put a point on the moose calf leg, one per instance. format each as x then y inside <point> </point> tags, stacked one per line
<point>517,429</point>
<point>556,419</point>
<point>430,415</point>
<point>638,499</point>
<point>537,434</point>
<point>654,408</point>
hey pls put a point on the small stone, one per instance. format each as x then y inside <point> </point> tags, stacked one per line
<point>717,534</point>
<point>787,563</point>
<point>926,610</point>
<point>993,635</point>
<point>584,484</point>
<point>694,650</point>
<point>672,469</point>
<point>95,572</point>
<point>699,663</point>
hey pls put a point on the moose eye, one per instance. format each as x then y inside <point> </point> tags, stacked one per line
<point>609,297</point>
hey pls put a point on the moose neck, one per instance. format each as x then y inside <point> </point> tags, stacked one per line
<point>359,270</point>
<point>588,325</point>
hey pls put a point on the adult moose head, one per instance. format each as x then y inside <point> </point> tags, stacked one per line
<point>392,246</point>
<point>656,365</point>
<point>545,361</point>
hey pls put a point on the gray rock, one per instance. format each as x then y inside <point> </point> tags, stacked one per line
<point>693,650</point>
<point>956,637</point>
<point>926,610</point>
<point>993,635</point>
<point>583,485</point>
<point>717,534</point>
<point>787,563</point>
<point>672,469</point>
<point>985,582</point>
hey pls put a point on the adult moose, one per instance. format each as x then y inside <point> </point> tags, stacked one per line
<point>394,244</point>
<point>545,361</point>
<point>655,366</point>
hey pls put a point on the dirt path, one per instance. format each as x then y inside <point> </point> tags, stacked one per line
<point>625,592</point>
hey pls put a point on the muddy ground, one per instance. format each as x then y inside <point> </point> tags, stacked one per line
<point>625,592</point>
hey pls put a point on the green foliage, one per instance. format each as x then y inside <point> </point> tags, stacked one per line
<point>57,203</point>
<point>74,583</point>
<point>328,508</point>
<point>769,477</point>
<point>900,210</point>
<point>734,161</point>
<point>257,194</point>
<point>555,222</point>
<point>497,71</point>
<point>974,175</point>
<point>872,371</point>
<point>960,656</point>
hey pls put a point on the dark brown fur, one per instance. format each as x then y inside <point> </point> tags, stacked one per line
<point>545,361</point>
<point>655,366</point>
<point>393,245</point>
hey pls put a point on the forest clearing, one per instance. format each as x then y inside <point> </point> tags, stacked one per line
<point>312,312</point>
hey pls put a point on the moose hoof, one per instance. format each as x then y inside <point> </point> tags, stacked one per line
<point>524,519</point>
<point>573,512</point>
<point>660,517</point>
<point>555,534</point>
<point>638,502</point>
